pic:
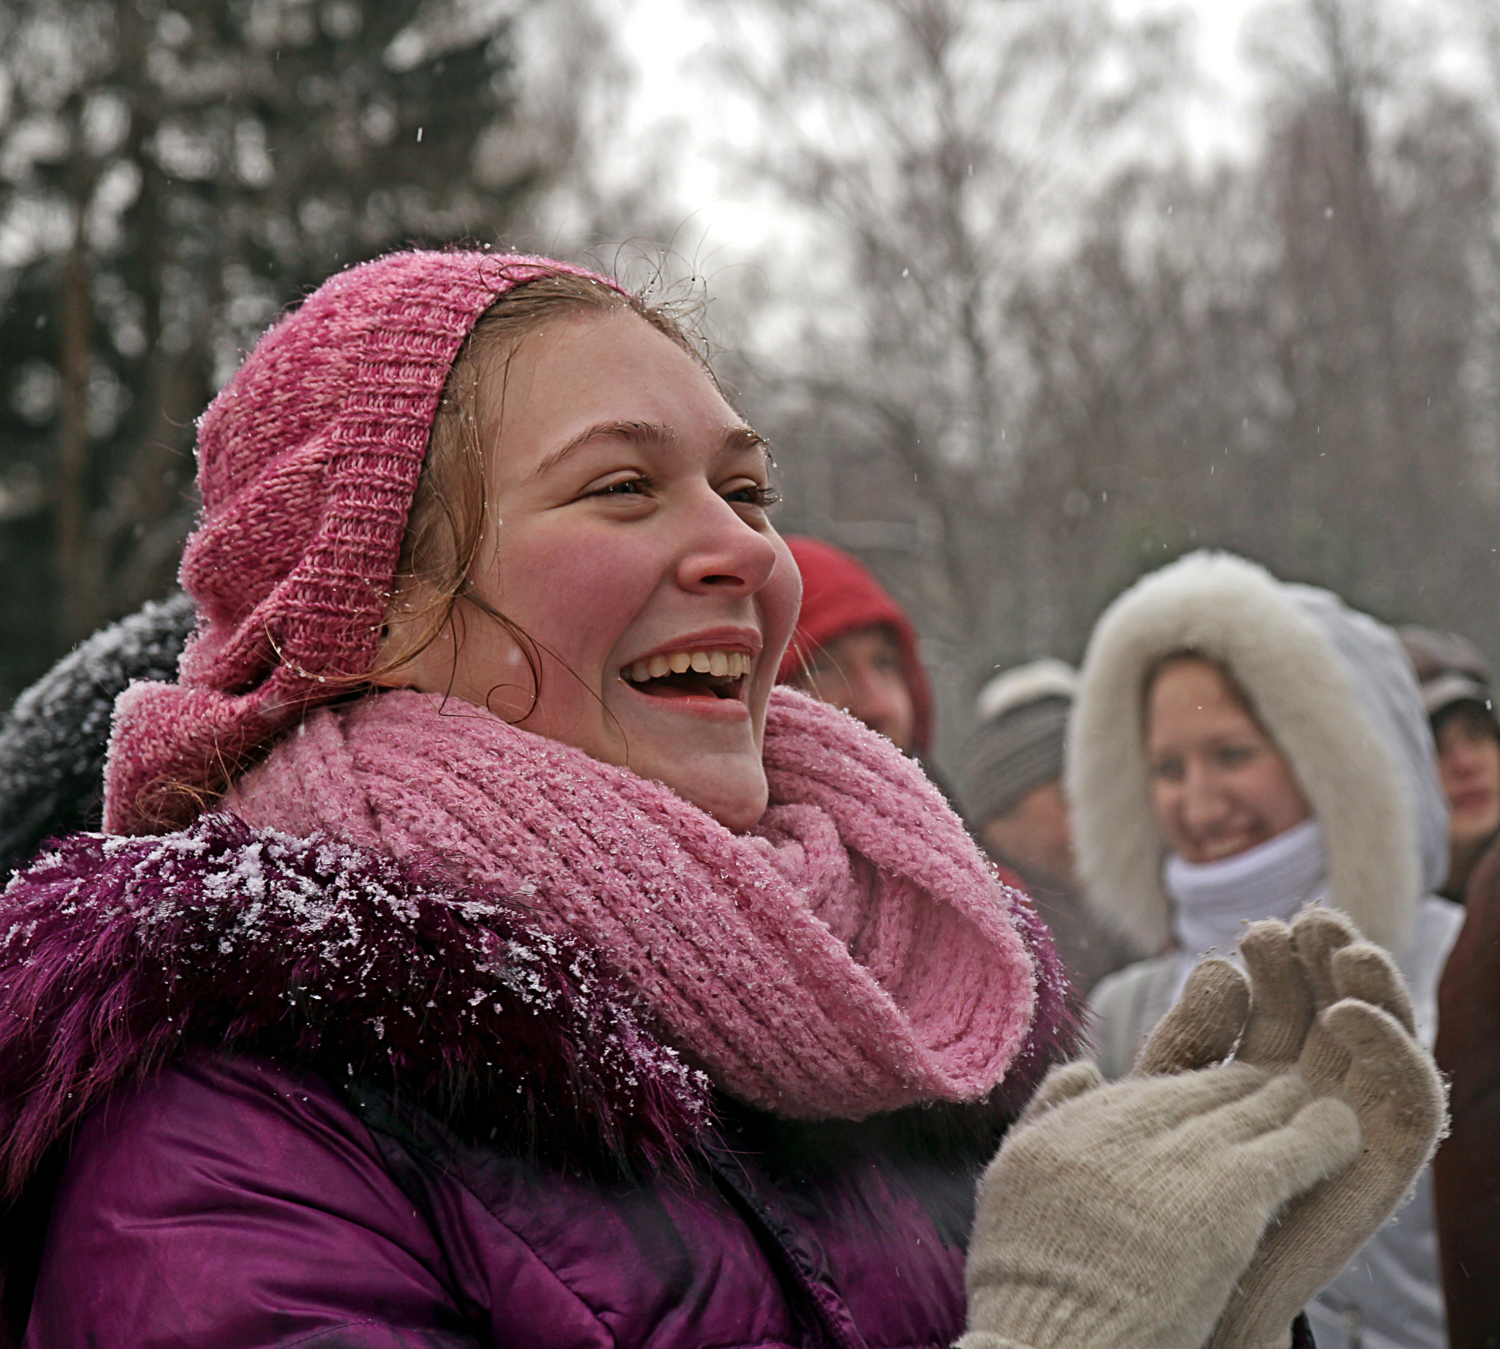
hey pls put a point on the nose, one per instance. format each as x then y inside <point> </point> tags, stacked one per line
<point>879,699</point>
<point>1202,804</point>
<point>725,554</point>
<point>1463,759</point>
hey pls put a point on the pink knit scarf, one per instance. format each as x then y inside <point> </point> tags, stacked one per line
<point>850,954</point>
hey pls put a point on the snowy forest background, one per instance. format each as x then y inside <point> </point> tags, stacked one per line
<point>1017,331</point>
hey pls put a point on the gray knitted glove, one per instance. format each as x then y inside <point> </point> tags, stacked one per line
<point>1120,1217</point>
<point>1333,1009</point>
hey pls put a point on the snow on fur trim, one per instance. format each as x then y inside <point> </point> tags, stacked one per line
<point>1238,614</point>
<point>119,954</point>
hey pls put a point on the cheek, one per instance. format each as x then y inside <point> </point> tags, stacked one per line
<point>1276,796</point>
<point>574,595</point>
<point>900,695</point>
<point>829,686</point>
<point>1164,801</point>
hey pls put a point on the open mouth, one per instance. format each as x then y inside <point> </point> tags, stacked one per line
<point>690,674</point>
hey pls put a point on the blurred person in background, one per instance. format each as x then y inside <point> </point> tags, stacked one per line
<point>855,647</point>
<point>1241,748</point>
<point>54,738</point>
<point>1014,801</point>
<point>1456,690</point>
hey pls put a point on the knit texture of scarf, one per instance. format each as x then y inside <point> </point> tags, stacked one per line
<point>851,954</point>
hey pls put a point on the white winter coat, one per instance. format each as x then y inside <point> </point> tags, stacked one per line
<point>1335,690</point>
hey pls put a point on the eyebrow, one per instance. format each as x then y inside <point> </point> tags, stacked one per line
<point>737,440</point>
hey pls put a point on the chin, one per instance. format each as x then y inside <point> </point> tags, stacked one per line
<point>1472,829</point>
<point>737,806</point>
<point>1221,850</point>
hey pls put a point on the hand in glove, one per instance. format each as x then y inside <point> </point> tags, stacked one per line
<point>1120,1217</point>
<point>1333,1009</point>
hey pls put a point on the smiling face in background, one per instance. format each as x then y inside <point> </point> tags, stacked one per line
<point>1468,751</point>
<point>627,536</point>
<point>1219,785</point>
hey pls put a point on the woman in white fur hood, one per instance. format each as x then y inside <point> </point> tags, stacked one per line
<point>1240,748</point>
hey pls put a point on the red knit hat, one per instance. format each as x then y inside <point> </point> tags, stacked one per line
<point>841,595</point>
<point>307,464</point>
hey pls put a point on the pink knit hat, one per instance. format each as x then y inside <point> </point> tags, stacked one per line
<point>307,464</point>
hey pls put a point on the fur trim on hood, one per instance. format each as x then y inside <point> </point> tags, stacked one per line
<point>52,743</point>
<point>1334,690</point>
<point>118,955</point>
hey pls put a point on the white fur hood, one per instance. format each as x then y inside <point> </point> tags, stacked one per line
<point>1334,689</point>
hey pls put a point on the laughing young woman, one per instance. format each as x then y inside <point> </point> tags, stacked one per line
<point>483,952</point>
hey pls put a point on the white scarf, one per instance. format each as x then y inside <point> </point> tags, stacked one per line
<point>1214,900</point>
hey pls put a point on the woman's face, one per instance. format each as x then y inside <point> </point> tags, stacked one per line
<point>1218,783</point>
<point>1469,764</point>
<point>627,535</point>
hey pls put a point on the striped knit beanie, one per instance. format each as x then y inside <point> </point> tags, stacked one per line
<point>1019,744</point>
<point>308,460</point>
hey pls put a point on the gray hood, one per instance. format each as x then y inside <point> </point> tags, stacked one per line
<point>1386,686</point>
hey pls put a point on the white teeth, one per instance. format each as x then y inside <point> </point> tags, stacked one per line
<point>715,664</point>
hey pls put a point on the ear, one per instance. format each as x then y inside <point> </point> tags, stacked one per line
<point>419,641</point>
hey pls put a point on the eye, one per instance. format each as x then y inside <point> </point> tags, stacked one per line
<point>753,494</point>
<point>625,487</point>
<point>1232,756</point>
<point>1167,770</point>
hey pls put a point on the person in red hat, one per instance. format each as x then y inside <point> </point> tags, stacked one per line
<point>855,647</point>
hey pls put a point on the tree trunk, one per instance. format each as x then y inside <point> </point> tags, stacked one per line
<point>76,607</point>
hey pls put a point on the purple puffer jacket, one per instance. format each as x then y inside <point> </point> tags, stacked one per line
<point>261,1091</point>
<point>233,1203</point>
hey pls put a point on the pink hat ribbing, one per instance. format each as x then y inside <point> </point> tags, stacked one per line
<point>308,460</point>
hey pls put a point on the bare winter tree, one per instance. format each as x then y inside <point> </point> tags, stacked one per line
<point>1288,368</point>
<point>946,153</point>
<point>1383,188</point>
<point>1053,354</point>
